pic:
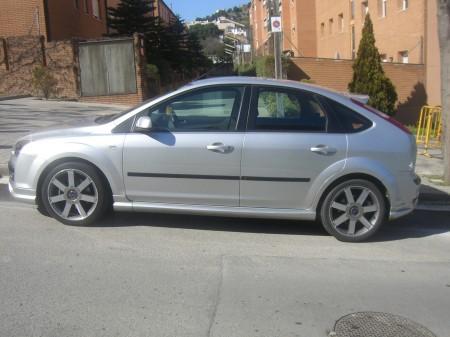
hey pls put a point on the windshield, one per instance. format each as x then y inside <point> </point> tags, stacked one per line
<point>112,117</point>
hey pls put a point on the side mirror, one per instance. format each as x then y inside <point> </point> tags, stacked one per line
<point>143,124</point>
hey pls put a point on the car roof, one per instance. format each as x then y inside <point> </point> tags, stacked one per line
<point>246,80</point>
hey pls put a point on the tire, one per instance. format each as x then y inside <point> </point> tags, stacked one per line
<point>353,211</point>
<point>75,194</point>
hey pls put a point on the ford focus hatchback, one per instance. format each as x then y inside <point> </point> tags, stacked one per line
<point>234,146</point>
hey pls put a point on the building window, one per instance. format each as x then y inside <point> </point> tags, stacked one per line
<point>76,3</point>
<point>383,57</point>
<point>403,4</point>
<point>86,6</point>
<point>382,8</point>
<point>96,8</point>
<point>341,22</point>
<point>352,9</point>
<point>330,26</point>
<point>353,43</point>
<point>403,56</point>
<point>364,9</point>
<point>322,29</point>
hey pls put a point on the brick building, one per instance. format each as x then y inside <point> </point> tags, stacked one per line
<point>298,23</point>
<point>161,9</point>
<point>405,31</point>
<point>54,19</point>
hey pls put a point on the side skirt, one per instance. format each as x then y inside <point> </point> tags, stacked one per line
<point>251,212</point>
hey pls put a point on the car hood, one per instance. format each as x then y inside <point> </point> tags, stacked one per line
<point>83,127</point>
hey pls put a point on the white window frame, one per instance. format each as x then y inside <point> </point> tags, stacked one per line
<point>405,5</point>
<point>341,22</point>
<point>383,8</point>
<point>95,8</point>
<point>404,56</point>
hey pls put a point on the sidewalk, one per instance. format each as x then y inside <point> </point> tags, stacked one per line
<point>433,193</point>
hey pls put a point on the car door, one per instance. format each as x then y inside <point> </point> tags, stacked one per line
<point>192,154</point>
<point>286,147</point>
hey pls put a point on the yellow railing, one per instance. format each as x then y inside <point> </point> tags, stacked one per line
<point>429,128</point>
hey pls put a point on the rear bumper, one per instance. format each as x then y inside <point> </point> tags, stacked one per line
<point>407,196</point>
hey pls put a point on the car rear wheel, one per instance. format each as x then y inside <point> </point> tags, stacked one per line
<point>353,211</point>
<point>74,194</point>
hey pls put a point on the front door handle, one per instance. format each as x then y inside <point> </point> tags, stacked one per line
<point>323,149</point>
<point>220,148</point>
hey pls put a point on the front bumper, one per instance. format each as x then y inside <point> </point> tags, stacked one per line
<point>21,194</point>
<point>24,195</point>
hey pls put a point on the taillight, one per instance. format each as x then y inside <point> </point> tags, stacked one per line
<point>391,120</point>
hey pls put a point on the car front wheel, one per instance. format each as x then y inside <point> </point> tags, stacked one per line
<point>353,211</point>
<point>74,194</point>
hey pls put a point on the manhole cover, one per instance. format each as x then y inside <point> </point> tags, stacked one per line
<point>378,324</point>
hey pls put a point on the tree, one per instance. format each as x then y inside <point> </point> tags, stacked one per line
<point>368,74</point>
<point>132,16</point>
<point>205,31</point>
<point>444,41</point>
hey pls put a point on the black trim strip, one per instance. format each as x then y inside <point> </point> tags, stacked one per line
<point>201,176</point>
<point>182,176</point>
<point>301,180</point>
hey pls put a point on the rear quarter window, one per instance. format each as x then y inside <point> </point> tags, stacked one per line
<point>349,120</point>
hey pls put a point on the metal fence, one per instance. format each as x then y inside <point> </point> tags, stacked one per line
<point>107,67</point>
<point>429,128</point>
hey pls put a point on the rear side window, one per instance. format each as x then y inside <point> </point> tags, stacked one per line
<point>349,120</point>
<point>284,110</point>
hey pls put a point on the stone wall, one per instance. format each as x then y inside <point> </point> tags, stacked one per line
<point>20,55</point>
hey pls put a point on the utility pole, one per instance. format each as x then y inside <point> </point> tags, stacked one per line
<point>277,38</point>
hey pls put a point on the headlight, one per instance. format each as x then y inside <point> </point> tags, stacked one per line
<point>19,146</point>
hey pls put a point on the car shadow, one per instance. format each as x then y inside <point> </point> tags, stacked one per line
<point>212,223</point>
<point>416,225</point>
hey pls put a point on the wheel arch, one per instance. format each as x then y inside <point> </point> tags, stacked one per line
<point>377,182</point>
<point>59,161</point>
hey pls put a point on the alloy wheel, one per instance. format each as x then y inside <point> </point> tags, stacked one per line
<point>72,194</point>
<point>354,210</point>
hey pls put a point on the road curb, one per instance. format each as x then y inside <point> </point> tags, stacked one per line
<point>8,98</point>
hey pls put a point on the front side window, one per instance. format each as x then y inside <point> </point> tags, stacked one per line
<point>208,110</point>
<point>279,110</point>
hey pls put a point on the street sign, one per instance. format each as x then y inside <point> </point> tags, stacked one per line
<point>276,24</point>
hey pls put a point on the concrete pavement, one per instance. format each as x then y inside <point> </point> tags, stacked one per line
<point>168,275</point>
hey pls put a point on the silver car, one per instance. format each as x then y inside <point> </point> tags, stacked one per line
<point>235,146</point>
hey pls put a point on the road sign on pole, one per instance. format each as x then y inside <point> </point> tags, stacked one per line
<point>276,24</point>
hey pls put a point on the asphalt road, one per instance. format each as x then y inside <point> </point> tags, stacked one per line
<point>164,275</point>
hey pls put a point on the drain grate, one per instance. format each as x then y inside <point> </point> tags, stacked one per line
<point>378,324</point>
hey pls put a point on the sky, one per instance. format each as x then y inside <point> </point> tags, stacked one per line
<point>191,9</point>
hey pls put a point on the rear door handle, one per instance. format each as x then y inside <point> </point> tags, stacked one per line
<point>220,148</point>
<point>323,149</point>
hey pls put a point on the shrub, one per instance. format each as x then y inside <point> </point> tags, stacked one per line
<point>44,81</point>
<point>265,66</point>
<point>248,69</point>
